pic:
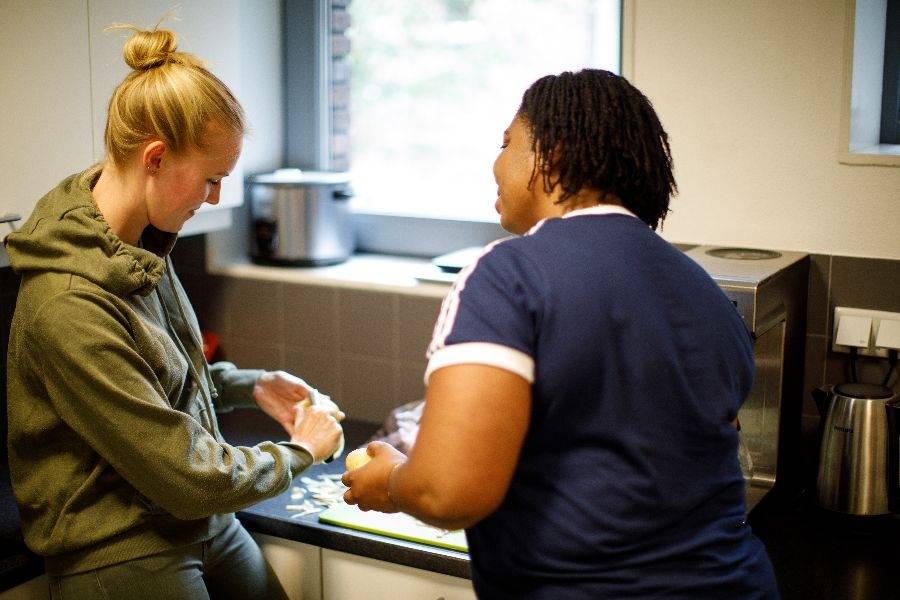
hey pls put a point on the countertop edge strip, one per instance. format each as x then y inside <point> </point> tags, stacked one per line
<point>410,554</point>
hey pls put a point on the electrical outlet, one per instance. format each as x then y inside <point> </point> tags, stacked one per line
<point>876,316</point>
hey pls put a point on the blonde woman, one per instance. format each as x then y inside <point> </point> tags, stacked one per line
<point>123,481</point>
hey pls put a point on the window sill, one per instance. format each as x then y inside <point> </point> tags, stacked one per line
<point>371,272</point>
<point>880,154</point>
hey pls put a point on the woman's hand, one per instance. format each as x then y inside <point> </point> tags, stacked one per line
<point>316,429</point>
<point>277,394</point>
<point>369,483</point>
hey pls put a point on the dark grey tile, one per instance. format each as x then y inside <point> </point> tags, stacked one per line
<point>868,369</point>
<point>817,295</point>
<point>310,316</point>
<point>809,448</point>
<point>368,323</point>
<point>189,254</point>
<point>367,387</point>
<point>253,310</point>
<point>814,369</point>
<point>865,283</point>
<point>417,317</point>
<point>316,366</point>
<point>247,354</point>
<point>410,384</point>
<point>207,296</point>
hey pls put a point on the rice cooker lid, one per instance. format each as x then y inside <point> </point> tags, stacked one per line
<point>291,177</point>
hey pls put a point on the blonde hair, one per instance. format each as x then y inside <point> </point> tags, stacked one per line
<point>169,95</point>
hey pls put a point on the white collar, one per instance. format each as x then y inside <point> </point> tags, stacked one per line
<point>600,209</point>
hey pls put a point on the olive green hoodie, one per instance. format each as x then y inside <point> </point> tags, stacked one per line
<point>114,449</point>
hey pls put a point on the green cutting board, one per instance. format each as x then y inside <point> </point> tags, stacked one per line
<point>396,525</point>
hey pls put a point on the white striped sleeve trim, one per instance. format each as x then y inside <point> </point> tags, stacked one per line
<point>451,303</point>
<point>482,353</point>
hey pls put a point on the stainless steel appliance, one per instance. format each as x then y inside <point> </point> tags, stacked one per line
<point>300,217</point>
<point>768,289</point>
<point>853,473</point>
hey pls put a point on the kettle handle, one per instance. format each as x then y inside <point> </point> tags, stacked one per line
<point>822,396</point>
<point>893,418</point>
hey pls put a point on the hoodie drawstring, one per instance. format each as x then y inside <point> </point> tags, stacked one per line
<point>193,371</point>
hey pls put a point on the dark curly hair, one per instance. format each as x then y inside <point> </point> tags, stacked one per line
<point>592,129</point>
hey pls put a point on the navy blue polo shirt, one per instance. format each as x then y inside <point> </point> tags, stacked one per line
<point>628,484</point>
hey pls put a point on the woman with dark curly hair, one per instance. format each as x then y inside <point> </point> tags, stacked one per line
<point>583,378</point>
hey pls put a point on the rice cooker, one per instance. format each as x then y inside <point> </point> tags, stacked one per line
<point>300,218</point>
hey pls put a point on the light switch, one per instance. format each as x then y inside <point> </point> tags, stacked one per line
<point>853,331</point>
<point>847,334</point>
<point>888,334</point>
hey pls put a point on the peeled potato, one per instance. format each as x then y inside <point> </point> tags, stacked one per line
<point>356,459</point>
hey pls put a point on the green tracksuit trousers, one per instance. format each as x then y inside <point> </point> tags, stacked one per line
<point>230,566</point>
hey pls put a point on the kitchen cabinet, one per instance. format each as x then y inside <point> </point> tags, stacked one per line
<point>59,68</point>
<point>350,577</point>
<point>45,94</point>
<point>297,566</point>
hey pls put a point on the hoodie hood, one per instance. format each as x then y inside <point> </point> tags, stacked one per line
<point>66,233</point>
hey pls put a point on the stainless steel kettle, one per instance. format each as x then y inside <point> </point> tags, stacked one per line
<point>857,441</point>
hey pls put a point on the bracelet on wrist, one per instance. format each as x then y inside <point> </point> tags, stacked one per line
<point>390,485</point>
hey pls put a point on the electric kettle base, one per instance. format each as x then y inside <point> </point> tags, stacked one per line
<point>858,525</point>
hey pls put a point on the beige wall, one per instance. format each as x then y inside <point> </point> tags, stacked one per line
<point>750,92</point>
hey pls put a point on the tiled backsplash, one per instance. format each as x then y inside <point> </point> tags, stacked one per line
<point>367,348</point>
<point>349,343</point>
<point>843,281</point>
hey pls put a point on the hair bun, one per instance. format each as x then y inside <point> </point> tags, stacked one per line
<point>149,49</point>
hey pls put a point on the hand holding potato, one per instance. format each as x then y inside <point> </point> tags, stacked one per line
<point>316,429</point>
<point>368,476</point>
<point>356,459</point>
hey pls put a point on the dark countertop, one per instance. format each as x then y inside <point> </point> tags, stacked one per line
<point>820,554</point>
<point>248,426</point>
<point>816,554</point>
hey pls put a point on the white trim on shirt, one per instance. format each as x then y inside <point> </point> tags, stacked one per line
<point>450,306</point>
<point>451,303</point>
<point>600,209</point>
<point>482,353</point>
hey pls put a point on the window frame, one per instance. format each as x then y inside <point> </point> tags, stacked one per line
<point>890,100</point>
<point>861,124</point>
<point>307,85</point>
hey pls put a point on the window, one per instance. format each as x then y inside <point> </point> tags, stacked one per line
<point>890,102</point>
<point>871,115</point>
<point>433,83</point>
